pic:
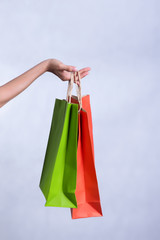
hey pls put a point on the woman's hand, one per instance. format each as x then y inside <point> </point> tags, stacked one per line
<point>64,71</point>
<point>14,87</point>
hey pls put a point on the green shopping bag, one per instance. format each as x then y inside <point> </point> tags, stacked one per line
<point>59,173</point>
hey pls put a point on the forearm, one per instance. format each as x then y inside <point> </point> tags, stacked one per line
<point>20,83</point>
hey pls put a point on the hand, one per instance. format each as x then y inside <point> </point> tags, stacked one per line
<point>64,71</point>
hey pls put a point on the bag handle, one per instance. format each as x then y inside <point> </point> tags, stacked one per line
<point>78,89</point>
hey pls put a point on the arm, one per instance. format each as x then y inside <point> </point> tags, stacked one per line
<point>14,87</point>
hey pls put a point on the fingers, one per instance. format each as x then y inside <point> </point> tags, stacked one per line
<point>83,72</point>
<point>69,68</point>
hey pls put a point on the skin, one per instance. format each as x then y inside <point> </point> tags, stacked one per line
<point>17,85</point>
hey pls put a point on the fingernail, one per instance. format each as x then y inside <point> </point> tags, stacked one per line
<point>75,69</point>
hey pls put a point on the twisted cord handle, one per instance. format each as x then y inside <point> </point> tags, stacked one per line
<point>78,89</point>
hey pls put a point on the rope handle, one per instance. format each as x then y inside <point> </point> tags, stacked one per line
<point>78,88</point>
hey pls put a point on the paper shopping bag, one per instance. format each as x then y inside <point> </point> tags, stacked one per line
<point>58,178</point>
<point>87,192</point>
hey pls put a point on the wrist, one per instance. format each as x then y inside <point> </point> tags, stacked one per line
<point>47,64</point>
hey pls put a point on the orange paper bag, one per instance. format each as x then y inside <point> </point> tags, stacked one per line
<point>87,192</point>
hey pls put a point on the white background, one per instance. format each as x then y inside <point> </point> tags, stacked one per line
<point>119,40</point>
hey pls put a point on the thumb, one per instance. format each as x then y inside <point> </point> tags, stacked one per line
<point>69,68</point>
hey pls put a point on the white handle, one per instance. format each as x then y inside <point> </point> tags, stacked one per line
<point>78,89</point>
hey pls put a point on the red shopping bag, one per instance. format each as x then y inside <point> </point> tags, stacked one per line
<point>87,192</point>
